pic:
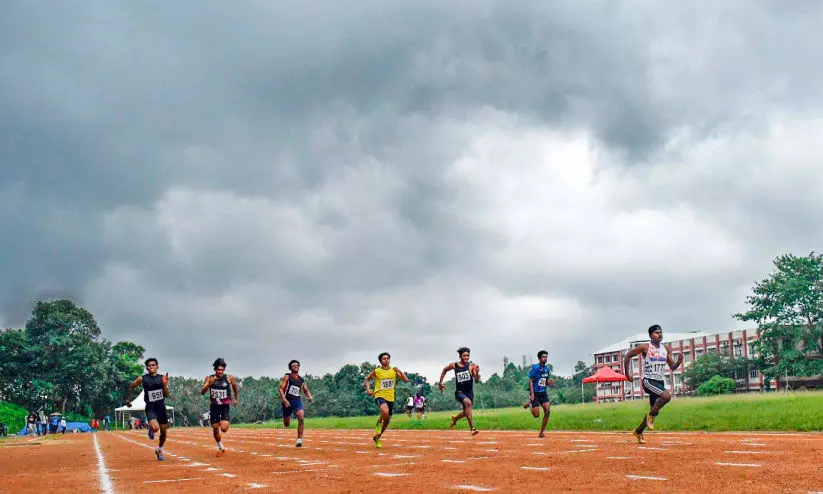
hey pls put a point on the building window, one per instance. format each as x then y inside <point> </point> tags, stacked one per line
<point>599,360</point>
<point>687,356</point>
<point>698,353</point>
<point>753,374</point>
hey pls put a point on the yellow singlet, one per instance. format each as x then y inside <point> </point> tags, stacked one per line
<point>384,383</point>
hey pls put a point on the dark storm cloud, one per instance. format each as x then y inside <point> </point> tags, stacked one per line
<point>242,166</point>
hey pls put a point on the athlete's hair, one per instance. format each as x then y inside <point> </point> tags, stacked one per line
<point>463,349</point>
<point>294,362</point>
<point>151,359</point>
<point>541,353</point>
<point>380,357</point>
<point>653,328</point>
<point>219,363</point>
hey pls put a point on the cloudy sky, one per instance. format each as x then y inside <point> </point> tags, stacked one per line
<point>328,180</point>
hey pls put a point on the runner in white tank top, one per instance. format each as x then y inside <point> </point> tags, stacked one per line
<point>655,361</point>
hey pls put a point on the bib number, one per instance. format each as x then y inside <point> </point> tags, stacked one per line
<point>294,390</point>
<point>219,394</point>
<point>387,384</point>
<point>542,382</point>
<point>463,376</point>
<point>155,395</point>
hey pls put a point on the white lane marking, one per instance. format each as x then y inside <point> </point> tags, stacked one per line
<point>744,443</point>
<point>229,475</point>
<point>407,456</point>
<point>387,474</point>
<point>644,477</point>
<point>170,480</point>
<point>653,449</point>
<point>737,464</point>
<point>453,461</point>
<point>747,452</point>
<point>211,469</point>
<point>542,469</point>
<point>540,453</point>
<point>105,480</point>
<point>579,450</point>
<point>473,488</point>
<point>448,447</point>
<point>487,442</point>
<point>252,485</point>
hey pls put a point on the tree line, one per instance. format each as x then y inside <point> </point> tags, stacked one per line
<point>60,361</point>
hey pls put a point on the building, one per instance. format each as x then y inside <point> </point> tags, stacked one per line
<point>690,344</point>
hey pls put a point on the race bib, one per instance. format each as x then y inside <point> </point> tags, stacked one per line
<point>294,390</point>
<point>155,395</point>
<point>463,376</point>
<point>542,382</point>
<point>387,384</point>
<point>219,394</point>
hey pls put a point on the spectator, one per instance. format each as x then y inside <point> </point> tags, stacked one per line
<point>54,422</point>
<point>3,432</point>
<point>31,423</point>
<point>62,425</point>
<point>43,425</point>
<point>107,423</point>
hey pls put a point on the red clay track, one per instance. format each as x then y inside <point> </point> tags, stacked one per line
<point>419,462</point>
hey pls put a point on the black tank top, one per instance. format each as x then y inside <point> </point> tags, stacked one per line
<point>220,391</point>
<point>293,387</point>
<point>153,389</point>
<point>463,378</point>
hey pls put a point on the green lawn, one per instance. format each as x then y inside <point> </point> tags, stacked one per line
<point>802,411</point>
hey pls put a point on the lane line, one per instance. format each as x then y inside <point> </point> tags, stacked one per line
<point>644,477</point>
<point>754,465</point>
<point>473,488</point>
<point>103,473</point>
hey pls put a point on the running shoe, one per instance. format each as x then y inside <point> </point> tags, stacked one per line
<point>639,436</point>
<point>650,421</point>
<point>377,443</point>
<point>475,432</point>
<point>299,443</point>
<point>151,433</point>
<point>454,421</point>
<point>159,453</point>
<point>220,452</point>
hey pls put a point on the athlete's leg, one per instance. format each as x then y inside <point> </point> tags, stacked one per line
<point>660,402</point>
<point>215,428</point>
<point>535,409</point>
<point>385,418</point>
<point>299,414</point>
<point>467,412</point>
<point>163,433</point>
<point>546,413</point>
<point>224,426</point>
<point>286,419</point>
<point>154,426</point>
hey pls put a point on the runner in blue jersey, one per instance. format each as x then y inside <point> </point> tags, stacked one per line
<point>290,387</point>
<point>539,380</point>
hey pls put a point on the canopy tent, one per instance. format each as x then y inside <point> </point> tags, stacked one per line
<point>604,374</point>
<point>138,405</point>
<point>70,427</point>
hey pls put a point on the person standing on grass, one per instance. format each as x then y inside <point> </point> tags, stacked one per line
<point>538,394</point>
<point>220,386</point>
<point>655,360</point>
<point>466,374</point>
<point>385,377</point>
<point>409,405</point>
<point>290,388</point>
<point>155,392</point>
<point>420,405</point>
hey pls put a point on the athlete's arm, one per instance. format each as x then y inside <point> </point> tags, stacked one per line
<point>282,389</point>
<point>401,375</point>
<point>236,389</point>
<point>137,382</point>
<point>672,364</point>
<point>368,383</point>
<point>443,374</point>
<point>476,369</point>
<point>209,382</point>
<point>531,386</point>
<point>634,351</point>
<point>165,381</point>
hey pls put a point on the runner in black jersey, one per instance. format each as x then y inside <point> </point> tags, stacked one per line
<point>466,373</point>
<point>290,387</point>
<point>220,386</point>
<point>155,392</point>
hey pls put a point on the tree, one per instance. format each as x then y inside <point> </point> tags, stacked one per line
<point>788,309</point>
<point>717,385</point>
<point>581,371</point>
<point>711,364</point>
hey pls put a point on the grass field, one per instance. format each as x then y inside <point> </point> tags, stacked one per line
<point>750,412</point>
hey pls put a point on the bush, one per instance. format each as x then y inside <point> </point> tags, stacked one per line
<point>13,416</point>
<point>717,385</point>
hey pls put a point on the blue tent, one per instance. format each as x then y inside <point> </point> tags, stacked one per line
<point>70,427</point>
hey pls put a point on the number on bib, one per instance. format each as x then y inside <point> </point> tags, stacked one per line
<point>463,376</point>
<point>219,394</point>
<point>386,383</point>
<point>294,390</point>
<point>155,395</point>
<point>541,382</point>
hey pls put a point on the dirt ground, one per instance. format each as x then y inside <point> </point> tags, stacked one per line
<point>415,461</point>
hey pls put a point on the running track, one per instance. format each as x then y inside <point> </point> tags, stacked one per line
<point>415,461</point>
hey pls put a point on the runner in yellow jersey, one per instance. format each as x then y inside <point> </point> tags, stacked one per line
<point>385,378</point>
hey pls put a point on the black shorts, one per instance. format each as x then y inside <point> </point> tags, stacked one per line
<point>409,409</point>
<point>157,411</point>
<point>390,404</point>
<point>460,396</point>
<point>654,388</point>
<point>219,413</point>
<point>540,399</point>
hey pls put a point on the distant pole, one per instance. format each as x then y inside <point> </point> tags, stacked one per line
<point>582,393</point>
